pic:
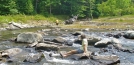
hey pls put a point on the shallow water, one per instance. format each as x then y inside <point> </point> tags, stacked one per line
<point>126,58</point>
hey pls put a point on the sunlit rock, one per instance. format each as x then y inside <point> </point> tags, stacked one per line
<point>11,52</point>
<point>29,37</point>
<point>59,40</point>
<point>107,59</point>
<point>129,34</point>
<point>47,47</point>
<point>86,29</point>
<point>13,25</point>
<point>104,42</point>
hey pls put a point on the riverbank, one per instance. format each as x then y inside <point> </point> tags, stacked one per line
<point>112,23</point>
<point>35,20</point>
<point>121,19</point>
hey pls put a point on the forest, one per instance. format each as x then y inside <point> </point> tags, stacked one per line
<point>84,8</point>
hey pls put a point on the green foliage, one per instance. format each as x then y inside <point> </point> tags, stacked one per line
<point>125,18</point>
<point>84,8</point>
<point>22,18</point>
<point>8,7</point>
<point>25,6</point>
<point>116,8</point>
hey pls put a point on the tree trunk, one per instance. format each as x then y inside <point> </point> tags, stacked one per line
<point>91,10</point>
<point>50,10</point>
<point>36,5</point>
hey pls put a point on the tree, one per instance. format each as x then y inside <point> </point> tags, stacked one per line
<point>75,7</point>
<point>123,5</point>
<point>91,4</point>
<point>25,6</point>
<point>115,7</point>
<point>51,4</point>
<point>8,7</point>
<point>29,7</point>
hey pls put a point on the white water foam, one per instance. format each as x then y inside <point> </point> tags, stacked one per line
<point>3,64</point>
<point>58,60</point>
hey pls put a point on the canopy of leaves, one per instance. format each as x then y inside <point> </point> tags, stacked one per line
<point>83,8</point>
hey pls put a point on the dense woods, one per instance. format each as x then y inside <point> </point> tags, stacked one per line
<point>85,8</point>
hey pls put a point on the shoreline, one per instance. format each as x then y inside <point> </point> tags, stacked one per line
<point>114,26</point>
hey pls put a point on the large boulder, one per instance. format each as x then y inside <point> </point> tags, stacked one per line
<point>10,52</point>
<point>29,37</point>
<point>107,59</point>
<point>81,56</point>
<point>47,47</point>
<point>73,56</point>
<point>33,57</point>
<point>91,40</point>
<point>59,40</point>
<point>104,42</point>
<point>19,55</point>
<point>129,34</point>
<point>5,55</point>
<point>115,41</point>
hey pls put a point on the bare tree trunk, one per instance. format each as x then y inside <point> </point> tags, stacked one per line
<point>91,10</point>
<point>91,14</point>
<point>50,10</point>
<point>36,5</point>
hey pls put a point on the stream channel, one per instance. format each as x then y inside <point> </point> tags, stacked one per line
<point>125,57</point>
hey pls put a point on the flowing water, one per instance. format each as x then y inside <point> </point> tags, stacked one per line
<point>125,57</point>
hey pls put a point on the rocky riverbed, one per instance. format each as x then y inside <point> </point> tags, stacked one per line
<point>108,44</point>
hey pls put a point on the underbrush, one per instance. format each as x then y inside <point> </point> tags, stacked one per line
<point>125,18</point>
<point>21,18</point>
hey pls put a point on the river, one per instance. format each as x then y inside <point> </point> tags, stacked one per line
<point>125,57</point>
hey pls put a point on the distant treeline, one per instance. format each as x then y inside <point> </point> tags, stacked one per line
<point>84,8</point>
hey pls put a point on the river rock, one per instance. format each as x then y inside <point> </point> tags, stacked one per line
<point>14,55</point>
<point>77,56</point>
<point>91,40</point>
<point>107,59</point>
<point>69,42</point>
<point>13,25</point>
<point>29,37</point>
<point>11,52</point>
<point>76,33</point>
<point>118,35</point>
<point>59,40</point>
<point>47,47</point>
<point>129,34</point>
<point>117,43</point>
<point>33,57</point>
<point>86,30</point>
<point>104,42</point>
